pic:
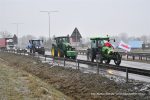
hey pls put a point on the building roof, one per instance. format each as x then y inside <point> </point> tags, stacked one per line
<point>76,33</point>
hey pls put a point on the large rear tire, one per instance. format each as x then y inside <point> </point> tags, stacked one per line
<point>54,52</point>
<point>60,53</point>
<point>117,59</point>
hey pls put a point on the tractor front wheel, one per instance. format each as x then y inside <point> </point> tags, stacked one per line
<point>107,61</point>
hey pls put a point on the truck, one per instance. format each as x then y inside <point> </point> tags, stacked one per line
<point>36,46</point>
<point>7,43</point>
<point>62,48</point>
<point>102,51</point>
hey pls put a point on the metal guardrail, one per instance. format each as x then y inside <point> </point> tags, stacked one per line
<point>141,56</point>
<point>138,71</point>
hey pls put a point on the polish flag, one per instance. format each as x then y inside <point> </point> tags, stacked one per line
<point>124,46</point>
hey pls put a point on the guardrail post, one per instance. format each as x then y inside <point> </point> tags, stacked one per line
<point>97,68</point>
<point>53,60</point>
<point>64,61</point>
<point>38,56</point>
<point>45,58</point>
<point>127,56</point>
<point>77,64</point>
<point>24,52</point>
<point>133,57</point>
<point>97,64</point>
<point>127,75</point>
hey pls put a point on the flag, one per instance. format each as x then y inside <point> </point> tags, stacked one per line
<point>124,46</point>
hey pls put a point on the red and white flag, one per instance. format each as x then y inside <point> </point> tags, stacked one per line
<point>124,46</point>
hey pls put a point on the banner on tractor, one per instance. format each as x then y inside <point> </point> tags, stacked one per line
<point>124,46</point>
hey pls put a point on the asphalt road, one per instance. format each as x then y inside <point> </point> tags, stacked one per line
<point>88,69</point>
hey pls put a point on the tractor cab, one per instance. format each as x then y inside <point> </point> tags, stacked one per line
<point>98,42</point>
<point>102,50</point>
<point>60,40</point>
<point>36,43</point>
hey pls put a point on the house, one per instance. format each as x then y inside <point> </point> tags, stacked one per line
<point>75,36</point>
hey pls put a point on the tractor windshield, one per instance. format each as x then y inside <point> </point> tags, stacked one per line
<point>65,40</point>
<point>37,43</point>
<point>62,39</point>
<point>100,43</point>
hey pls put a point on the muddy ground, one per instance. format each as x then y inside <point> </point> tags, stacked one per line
<point>16,84</point>
<point>75,84</point>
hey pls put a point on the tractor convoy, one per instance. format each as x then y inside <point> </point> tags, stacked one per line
<point>101,49</point>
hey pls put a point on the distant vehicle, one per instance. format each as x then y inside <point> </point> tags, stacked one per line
<point>62,47</point>
<point>36,46</point>
<point>7,43</point>
<point>102,50</point>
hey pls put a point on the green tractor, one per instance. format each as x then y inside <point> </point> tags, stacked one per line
<point>102,52</point>
<point>63,48</point>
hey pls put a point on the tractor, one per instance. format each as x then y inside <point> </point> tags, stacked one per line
<point>36,46</point>
<point>63,48</point>
<point>102,52</point>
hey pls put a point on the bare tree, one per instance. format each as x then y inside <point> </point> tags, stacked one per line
<point>24,41</point>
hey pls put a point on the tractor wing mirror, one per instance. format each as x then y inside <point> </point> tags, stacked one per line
<point>114,40</point>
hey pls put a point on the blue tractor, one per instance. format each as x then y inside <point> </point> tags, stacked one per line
<point>36,46</point>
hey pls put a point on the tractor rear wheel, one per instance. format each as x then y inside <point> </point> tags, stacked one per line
<point>60,53</point>
<point>54,52</point>
<point>117,59</point>
<point>93,55</point>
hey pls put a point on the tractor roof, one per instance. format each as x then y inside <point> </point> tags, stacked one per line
<point>36,40</point>
<point>62,37</point>
<point>99,38</point>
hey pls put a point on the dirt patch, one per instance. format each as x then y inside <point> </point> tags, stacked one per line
<point>77,85</point>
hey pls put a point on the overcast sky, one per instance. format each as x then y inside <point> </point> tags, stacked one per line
<point>91,17</point>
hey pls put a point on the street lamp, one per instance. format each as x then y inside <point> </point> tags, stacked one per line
<point>49,13</point>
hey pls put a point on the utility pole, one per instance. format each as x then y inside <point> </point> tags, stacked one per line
<point>17,24</point>
<point>49,17</point>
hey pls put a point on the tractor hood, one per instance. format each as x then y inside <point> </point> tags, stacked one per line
<point>71,53</point>
<point>67,44</point>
